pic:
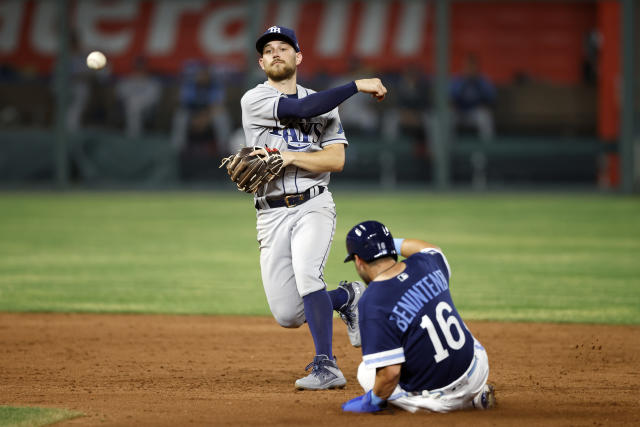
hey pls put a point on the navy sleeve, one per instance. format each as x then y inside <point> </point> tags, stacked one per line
<point>315,104</point>
<point>381,344</point>
<point>436,258</point>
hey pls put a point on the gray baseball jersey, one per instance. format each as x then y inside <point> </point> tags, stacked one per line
<point>294,242</point>
<point>262,127</point>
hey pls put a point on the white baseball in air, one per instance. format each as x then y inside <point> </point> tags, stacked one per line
<point>96,60</point>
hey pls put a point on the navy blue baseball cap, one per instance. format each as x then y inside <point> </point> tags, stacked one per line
<point>277,33</point>
<point>370,240</point>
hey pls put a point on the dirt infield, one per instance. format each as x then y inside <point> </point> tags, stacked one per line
<point>239,371</point>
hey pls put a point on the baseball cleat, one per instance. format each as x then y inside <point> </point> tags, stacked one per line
<point>349,312</point>
<point>324,375</point>
<point>486,399</point>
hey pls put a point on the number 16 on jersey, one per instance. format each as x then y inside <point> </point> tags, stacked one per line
<point>445,326</point>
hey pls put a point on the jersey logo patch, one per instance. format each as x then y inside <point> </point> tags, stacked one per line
<point>300,136</point>
<point>298,146</point>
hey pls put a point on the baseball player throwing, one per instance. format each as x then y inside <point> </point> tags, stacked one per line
<point>417,352</point>
<point>296,216</point>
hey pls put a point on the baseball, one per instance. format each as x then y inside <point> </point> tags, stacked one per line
<point>96,60</point>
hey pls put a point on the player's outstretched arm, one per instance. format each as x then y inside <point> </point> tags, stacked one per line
<point>386,380</point>
<point>322,102</point>
<point>412,246</point>
<point>376,399</point>
<point>315,104</point>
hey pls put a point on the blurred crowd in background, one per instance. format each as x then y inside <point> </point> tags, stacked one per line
<point>199,109</point>
<point>517,71</point>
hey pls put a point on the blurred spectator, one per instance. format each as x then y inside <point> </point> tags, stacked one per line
<point>359,115</point>
<point>592,45</point>
<point>201,122</point>
<point>24,98</point>
<point>473,95</point>
<point>79,84</point>
<point>139,93</point>
<point>413,104</point>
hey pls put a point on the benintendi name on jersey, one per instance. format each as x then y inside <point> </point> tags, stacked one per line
<point>416,297</point>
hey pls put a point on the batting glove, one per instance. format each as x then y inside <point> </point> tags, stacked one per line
<point>365,403</point>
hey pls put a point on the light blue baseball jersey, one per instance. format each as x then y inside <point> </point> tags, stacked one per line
<point>263,127</point>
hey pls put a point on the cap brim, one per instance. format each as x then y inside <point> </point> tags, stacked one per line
<point>349,258</point>
<point>266,38</point>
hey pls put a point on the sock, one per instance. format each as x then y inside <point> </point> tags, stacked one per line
<point>339,297</point>
<point>319,314</point>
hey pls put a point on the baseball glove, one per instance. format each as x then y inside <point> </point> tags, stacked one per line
<point>251,172</point>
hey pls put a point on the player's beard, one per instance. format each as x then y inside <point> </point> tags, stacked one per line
<point>281,71</point>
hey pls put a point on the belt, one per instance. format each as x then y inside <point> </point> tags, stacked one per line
<point>290,200</point>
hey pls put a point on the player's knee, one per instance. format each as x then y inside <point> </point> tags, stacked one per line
<point>366,377</point>
<point>289,322</point>
<point>289,319</point>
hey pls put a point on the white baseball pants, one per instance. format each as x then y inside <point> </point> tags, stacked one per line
<point>457,395</point>
<point>294,246</point>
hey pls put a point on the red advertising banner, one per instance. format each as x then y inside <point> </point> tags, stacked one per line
<point>544,40</point>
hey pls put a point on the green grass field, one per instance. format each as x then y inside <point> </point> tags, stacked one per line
<point>32,417</point>
<point>538,257</point>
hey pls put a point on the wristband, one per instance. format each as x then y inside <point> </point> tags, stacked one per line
<point>398,244</point>
<point>378,401</point>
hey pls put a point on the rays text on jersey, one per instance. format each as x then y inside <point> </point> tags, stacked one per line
<point>301,135</point>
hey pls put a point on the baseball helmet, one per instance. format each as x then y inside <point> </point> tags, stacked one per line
<point>370,240</point>
<point>277,33</point>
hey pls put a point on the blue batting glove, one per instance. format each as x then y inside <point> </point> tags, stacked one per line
<point>364,403</point>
